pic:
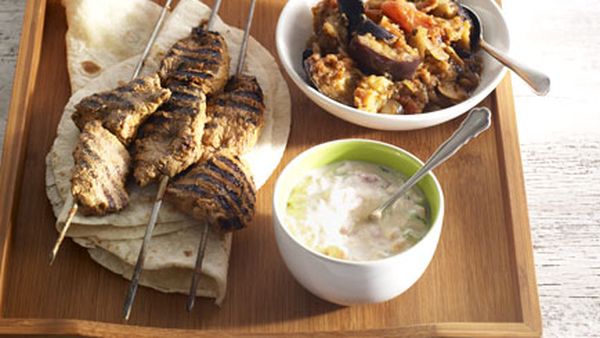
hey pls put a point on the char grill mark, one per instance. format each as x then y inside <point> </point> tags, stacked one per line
<point>240,173</point>
<point>182,52</point>
<point>100,172</point>
<point>97,168</point>
<point>200,59</point>
<point>235,117</point>
<point>182,96</point>
<point>254,95</point>
<point>223,224</point>
<point>241,106</point>
<point>171,140</point>
<point>96,174</point>
<point>123,109</point>
<point>91,161</point>
<point>189,75</point>
<point>217,190</point>
<point>233,183</point>
<point>233,202</point>
<point>210,59</point>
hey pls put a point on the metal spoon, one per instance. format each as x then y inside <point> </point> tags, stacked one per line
<point>478,120</point>
<point>538,81</point>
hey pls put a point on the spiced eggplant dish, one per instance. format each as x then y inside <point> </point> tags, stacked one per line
<point>392,56</point>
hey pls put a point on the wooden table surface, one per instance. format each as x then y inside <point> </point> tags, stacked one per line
<point>560,143</point>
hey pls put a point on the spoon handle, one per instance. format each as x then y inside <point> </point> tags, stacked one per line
<point>538,81</point>
<point>478,120</point>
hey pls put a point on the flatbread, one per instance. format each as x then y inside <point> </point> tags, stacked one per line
<point>170,261</point>
<point>104,33</point>
<point>114,240</point>
<point>262,160</point>
<point>104,232</point>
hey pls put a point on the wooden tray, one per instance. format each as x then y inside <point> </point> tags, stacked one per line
<point>481,281</point>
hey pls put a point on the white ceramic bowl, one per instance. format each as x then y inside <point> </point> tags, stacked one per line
<point>347,282</point>
<point>295,27</point>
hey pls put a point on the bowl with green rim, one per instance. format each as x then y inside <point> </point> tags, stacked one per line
<point>356,282</point>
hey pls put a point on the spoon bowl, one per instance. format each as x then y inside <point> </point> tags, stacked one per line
<point>478,121</point>
<point>538,81</point>
<point>476,27</point>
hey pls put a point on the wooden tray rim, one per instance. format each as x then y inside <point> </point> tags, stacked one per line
<point>92,328</point>
<point>13,158</point>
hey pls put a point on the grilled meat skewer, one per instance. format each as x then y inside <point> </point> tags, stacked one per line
<point>201,60</point>
<point>123,109</point>
<point>108,122</point>
<point>100,172</point>
<point>235,117</point>
<point>143,96</point>
<point>218,190</point>
<point>98,181</point>
<point>172,141</point>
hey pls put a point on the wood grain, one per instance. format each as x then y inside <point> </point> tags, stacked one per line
<point>17,127</point>
<point>566,240</point>
<point>480,283</point>
<point>512,176</point>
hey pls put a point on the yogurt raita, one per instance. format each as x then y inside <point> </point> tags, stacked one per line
<point>328,212</point>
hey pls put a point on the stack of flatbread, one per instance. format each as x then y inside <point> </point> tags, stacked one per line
<point>104,43</point>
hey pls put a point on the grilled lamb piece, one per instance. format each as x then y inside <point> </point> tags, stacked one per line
<point>171,140</point>
<point>101,169</point>
<point>123,109</point>
<point>218,190</point>
<point>235,117</point>
<point>201,59</point>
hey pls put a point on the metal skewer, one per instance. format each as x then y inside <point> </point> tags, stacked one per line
<point>136,72</point>
<point>162,187</point>
<point>213,14</point>
<point>153,36</point>
<point>244,47</point>
<point>198,268</point>
<point>204,238</point>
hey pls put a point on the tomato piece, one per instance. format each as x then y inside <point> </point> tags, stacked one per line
<point>373,14</point>
<point>406,15</point>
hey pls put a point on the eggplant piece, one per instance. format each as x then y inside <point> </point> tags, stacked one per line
<point>307,53</point>
<point>377,57</point>
<point>460,51</point>
<point>359,23</point>
<point>452,91</point>
<point>307,66</point>
<point>368,26</point>
<point>353,10</point>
